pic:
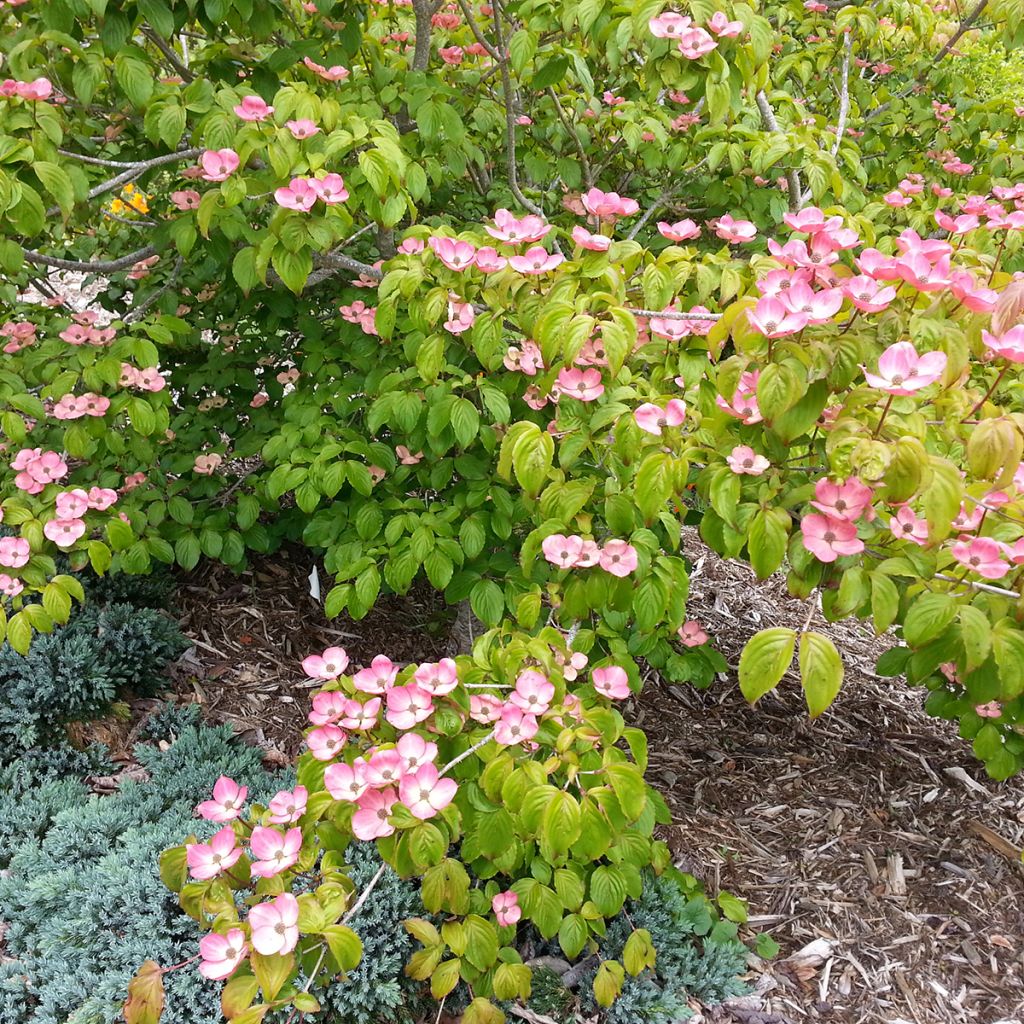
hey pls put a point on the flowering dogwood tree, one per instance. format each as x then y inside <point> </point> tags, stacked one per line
<point>501,295</point>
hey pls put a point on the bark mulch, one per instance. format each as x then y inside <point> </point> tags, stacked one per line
<point>869,844</point>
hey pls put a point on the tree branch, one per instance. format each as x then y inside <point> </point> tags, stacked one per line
<point>963,27</point>
<point>844,92</point>
<point>467,12</point>
<point>168,51</point>
<point>672,314</point>
<point>139,311</point>
<point>588,173</point>
<point>95,267</point>
<point>421,55</point>
<point>772,125</point>
<point>510,124</point>
<point>135,171</point>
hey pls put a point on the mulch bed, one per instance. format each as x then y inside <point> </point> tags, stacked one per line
<point>869,844</point>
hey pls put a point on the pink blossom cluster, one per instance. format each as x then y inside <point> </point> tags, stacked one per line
<point>71,407</point>
<point>37,89</point>
<point>363,315</point>
<point>743,403</point>
<point>617,557</point>
<point>301,193</point>
<point>831,532</point>
<point>36,468</point>
<point>20,334</point>
<point>149,379</point>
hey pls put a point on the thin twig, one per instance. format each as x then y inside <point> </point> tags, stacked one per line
<point>365,894</point>
<point>466,753</point>
<point>672,314</point>
<point>467,12</point>
<point>140,311</point>
<point>772,125</point>
<point>135,171</point>
<point>168,51</point>
<point>588,173</point>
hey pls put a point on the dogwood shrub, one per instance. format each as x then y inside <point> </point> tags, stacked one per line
<point>500,295</point>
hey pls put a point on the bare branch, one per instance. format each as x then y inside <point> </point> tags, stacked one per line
<point>772,125</point>
<point>421,55</point>
<point>963,27</point>
<point>588,173</point>
<point>672,314</point>
<point>168,51</point>
<point>135,171</point>
<point>93,267</point>
<point>98,161</point>
<point>139,311</point>
<point>844,92</point>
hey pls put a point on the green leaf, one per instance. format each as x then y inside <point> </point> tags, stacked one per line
<point>572,935</point>
<point>271,972</point>
<point>292,267</point>
<point>929,616</point>
<point>532,455</point>
<point>560,827</point>
<point>976,634</point>
<point>608,982</point>
<point>135,78</point>
<point>821,671</point>
<point>629,787</point>
<point>346,947</point>
<point>481,941</point>
<point>56,181</point>
<point>608,889</point>
<point>766,542</point>
<point>764,661</point>
<point>487,601</point>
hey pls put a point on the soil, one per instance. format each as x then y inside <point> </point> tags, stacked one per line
<point>869,843</point>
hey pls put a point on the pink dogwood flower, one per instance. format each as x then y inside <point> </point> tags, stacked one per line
<point>298,194</point>
<point>484,708</point>
<point>536,260</point>
<point>371,820</point>
<point>461,317</point>
<point>611,681</point>
<point>773,319</point>
<point>514,726</point>
<point>64,532</point>
<point>848,500</point>
<point>375,679</point>
<point>867,295</point>
<point>905,525</point>
<point>414,752</point>
<point>288,805</point>
<point>509,228</point>
<point>208,860</point>
<point>743,404</point>
<point>453,253</point>
<point>218,164</point>
<point>653,419</point>
<point>489,260</point>
<point>828,539</point>
<point>993,709</point>
<point>584,385</point>
<point>669,25</point>
<point>608,204</point>
<point>272,852</point>
<point>734,231</point>
<point>1009,345</point>
<point>408,706</point>
<point>14,552</point>
<point>221,954</point>
<point>506,908</point>
<point>335,73</point>
<point>692,634</point>
<point>346,782</point>
<point>618,557</point>
<point>533,692</point>
<point>694,43</point>
<point>437,678</point>
<point>330,189</point>
<point>424,793</point>
<point>329,665</point>
<point>722,26</point>
<point>680,231</point>
<point>328,707</point>
<point>358,716</point>
<point>901,371</point>
<point>228,800</point>
<point>325,742</point>
<point>745,461</point>
<point>253,108</point>
<point>561,550</point>
<point>303,128</point>
<point>274,925</point>
<point>982,555</point>
<point>586,240</point>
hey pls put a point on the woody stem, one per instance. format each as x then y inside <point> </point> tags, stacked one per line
<point>881,420</point>
<point>988,394</point>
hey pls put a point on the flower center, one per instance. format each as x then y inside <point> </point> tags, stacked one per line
<point>829,537</point>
